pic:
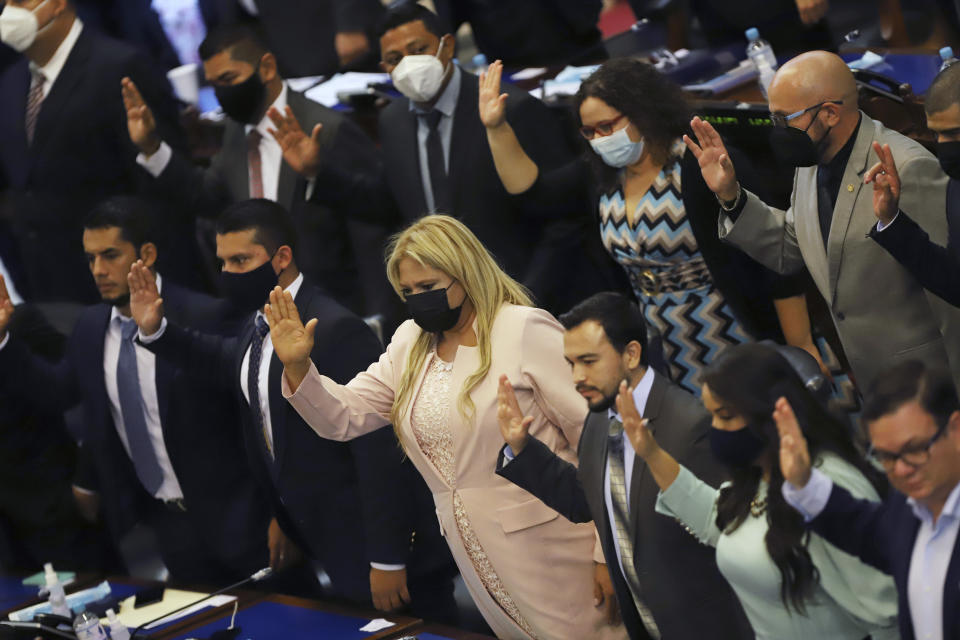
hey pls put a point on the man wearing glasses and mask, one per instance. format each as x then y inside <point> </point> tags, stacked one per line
<point>881,311</point>
<point>912,416</point>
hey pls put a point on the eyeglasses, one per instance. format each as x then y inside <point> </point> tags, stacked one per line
<point>604,128</point>
<point>912,455</point>
<point>781,121</point>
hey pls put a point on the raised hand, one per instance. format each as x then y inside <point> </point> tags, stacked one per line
<point>715,165</point>
<point>811,11</point>
<point>6,309</point>
<point>886,184</point>
<point>292,341</point>
<point>794,455</point>
<point>300,151</point>
<point>492,103</point>
<point>635,426</point>
<point>146,305</point>
<point>514,426</point>
<point>140,123</point>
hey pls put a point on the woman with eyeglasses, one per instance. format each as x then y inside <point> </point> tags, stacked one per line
<point>657,217</point>
<point>530,572</point>
<point>793,585</point>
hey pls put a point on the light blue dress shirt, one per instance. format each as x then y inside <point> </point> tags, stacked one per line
<point>447,105</point>
<point>931,550</point>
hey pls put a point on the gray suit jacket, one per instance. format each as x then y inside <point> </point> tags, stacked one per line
<point>679,577</point>
<point>882,314</point>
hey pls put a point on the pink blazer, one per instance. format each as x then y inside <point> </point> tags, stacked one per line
<point>544,561</point>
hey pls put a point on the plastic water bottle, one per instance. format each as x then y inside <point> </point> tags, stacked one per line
<point>946,54</point>
<point>761,54</point>
<point>479,63</point>
<point>87,627</point>
<point>118,630</point>
<point>57,597</point>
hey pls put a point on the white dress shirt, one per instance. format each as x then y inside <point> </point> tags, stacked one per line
<point>147,374</point>
<point>54,65</point>
<point>640,395</point>
<point>271,155</point>
<point>263,378</point>
<point>929,561</point>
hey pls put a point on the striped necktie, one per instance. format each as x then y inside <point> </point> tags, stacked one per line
<point>34,102</point>
<point>255,163</point>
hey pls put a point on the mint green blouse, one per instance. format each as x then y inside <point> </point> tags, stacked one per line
<point>851,601</point>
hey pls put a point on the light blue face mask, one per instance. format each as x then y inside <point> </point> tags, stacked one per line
<point>617,149</point>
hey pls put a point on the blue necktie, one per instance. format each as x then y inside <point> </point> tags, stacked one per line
<point>131,408</point>
<point>253,378</point>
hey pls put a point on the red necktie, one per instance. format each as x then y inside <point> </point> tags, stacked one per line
<point>254,164</point>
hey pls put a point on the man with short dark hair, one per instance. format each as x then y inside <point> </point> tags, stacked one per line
<point>936,267</point>
<point>912,417</point>
<point>651,560</point>
<point>257,161</point>
<point>357,508</point>
<point>160,446</point>
<point>63,147</point>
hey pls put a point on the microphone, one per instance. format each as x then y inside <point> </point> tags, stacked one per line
<point>262,574</point>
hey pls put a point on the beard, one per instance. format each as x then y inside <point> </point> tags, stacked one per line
<point>604,403</point>
<point>120,301</point>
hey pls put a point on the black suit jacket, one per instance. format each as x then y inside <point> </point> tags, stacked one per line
<point>675,570</point>
<point>883,535</point>
<point>81,154</point>
<point>345,503</point>
<point>936,268</point>
<point>198,431</point>
<point>343,253</point>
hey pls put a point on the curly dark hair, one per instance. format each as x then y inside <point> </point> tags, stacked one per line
<point>749,379</point>
<point>652,102</point>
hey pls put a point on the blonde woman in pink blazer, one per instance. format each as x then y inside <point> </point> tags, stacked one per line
<point>530,572</point>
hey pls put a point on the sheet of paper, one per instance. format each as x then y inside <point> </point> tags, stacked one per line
<point>529,72</point>
<point>304,83</point>
<point>350,82</point>
<point>173,599</point>
<point>376,625</point>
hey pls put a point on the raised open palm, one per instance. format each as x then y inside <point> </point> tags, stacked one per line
<point>635,426</point>
<point>301,151</point>
<point>140,122</point>
<point>146,305</point>
<point>715,165</point>
<point>292,340</point>
<point>514,426</point>
<point>886,184</point>
<point>794,455</point>
<point>492,103</point>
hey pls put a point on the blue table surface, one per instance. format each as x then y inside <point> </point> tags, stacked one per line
<point>917,69</point>
<point>13,592</point>
<point>270,620</point>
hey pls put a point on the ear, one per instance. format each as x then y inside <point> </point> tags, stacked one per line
<point>449,47</point>
<point>148,253</point>
<point>268,67</point>
<point>60,7</point>
<point>953,427</point>
<point>283,258</point>
<point>632,354</point>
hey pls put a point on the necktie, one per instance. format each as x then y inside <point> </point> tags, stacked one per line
<point>618,496</point>
<point>255,164</point>
<point>34,101</point>
<point>131,408</point>
<point>260,331</point>
<point>824,209</point>
<point>435,163</point>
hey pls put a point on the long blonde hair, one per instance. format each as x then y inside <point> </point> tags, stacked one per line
<point>446,244</point>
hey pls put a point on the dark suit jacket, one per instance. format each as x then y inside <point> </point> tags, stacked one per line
<point>81,154</point>
<point>198,431</point>
<point>674,569</point>
<point>340,253</point>
<point>344,503</point>
<point>883,535</point>
<point>936,268</point>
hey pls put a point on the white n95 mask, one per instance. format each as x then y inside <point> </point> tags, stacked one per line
<point>19,26</point>
<point>617,150</point>
<point>419,77</point>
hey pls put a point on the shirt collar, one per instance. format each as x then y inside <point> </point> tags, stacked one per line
<point>447,102</point>
<point>951,508</point>
<point>55,64</point>
<point>115,313</point>
<point>839,161</point>
<point>265,124</point>
<point>293,289</point>
<point>641,393</point>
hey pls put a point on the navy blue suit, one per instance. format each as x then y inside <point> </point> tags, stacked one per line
<point>345,503</point>
<point>936,268</point>
<point>883,535</point>
<point>223,506</point>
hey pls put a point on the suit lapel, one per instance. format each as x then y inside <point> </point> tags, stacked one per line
<point>409,149</point>
<point>847,197</point>
<point>70,76</point>
<point>17,88</point>
<point>651,411</point>
<point>465,121</point>
<point>951,595</point>
<point>96,345</point>
<point>287,182</point>
<point>595,438</point>
<point>278,406</point>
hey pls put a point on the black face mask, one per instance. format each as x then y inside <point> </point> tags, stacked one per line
<point>949,155</point>
<point>793,147</point>
<point>249,291</point>
<point>243,102</point>
<point>431,311</point>
<point>736,448</point>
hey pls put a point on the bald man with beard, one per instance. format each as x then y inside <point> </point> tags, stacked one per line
<point>882,314</point>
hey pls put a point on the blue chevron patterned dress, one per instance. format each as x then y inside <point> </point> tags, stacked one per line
<point>669,276</point>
